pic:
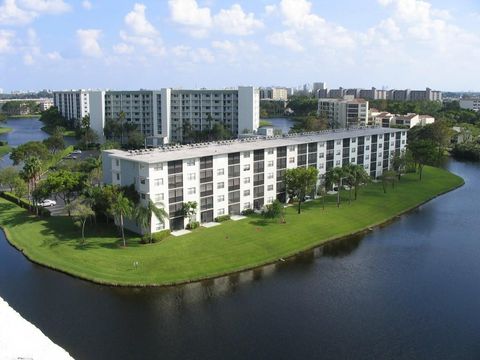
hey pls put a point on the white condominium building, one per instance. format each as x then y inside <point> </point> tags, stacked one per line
<point>274,93</point>
<point>342,113</point>
<point>228,177</point>
<point>163,115</point>
<point>470,103</point>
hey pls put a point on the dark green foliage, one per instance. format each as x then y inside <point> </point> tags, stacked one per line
<point>31,148</point>
<point>248,212</point>
<point>222,218</point>
<point>303,105</point>
<point>20,108</point>
<point>193,225</point>
<point>156,237</point>
<point>24,203</point>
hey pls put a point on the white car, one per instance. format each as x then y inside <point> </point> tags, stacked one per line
<point>48,203</point>
<point>77,152</point>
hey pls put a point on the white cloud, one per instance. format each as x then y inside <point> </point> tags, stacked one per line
<point>88,41</point>
<point>45,6</point>
<point>138,23</point>
<point>21,12</point>
<point>28,59</point>
<point>235,21</point>
<point>196,20</point>
<point>6,37</point>
<point>54,56</point>
<point>140,33</point>
<point>270,9</point>
<point>11,14</point>
<point>191,55</point>
<point>86,4</point>
<point>285,39</point>
<point>239,52</point>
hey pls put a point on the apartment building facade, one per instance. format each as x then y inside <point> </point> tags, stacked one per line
<point>163,116</point>
<point>377,94</point>
<point>274,93</point>
<point>472,103</point>
<point>342,113</point>
<point>228,177</point>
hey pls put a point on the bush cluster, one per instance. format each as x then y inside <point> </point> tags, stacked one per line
<point>3,143</point>
<point>222,218</point>
<point>193,225</point>
<point>248,212</point>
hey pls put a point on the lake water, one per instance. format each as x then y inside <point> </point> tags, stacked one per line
<point>24,130</point>
<point>407,290</point>
<point>283,124</point>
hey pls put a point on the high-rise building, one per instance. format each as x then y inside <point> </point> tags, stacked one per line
<point>343,113</point>
<point>164,115</point>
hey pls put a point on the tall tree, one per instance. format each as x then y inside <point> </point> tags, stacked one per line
<point>31,173</point>
<point>356,176</point>
<point>424,152</point>
<point>334,176</point>
<point>8,177</point>
<point>122,207</point>
<point>301,182</point>
<point>29,149</point>
<point>144,214</point>
<point>189,209</point>
<point>274,211</point>
<point>65,184</point>
<point>81,211</point>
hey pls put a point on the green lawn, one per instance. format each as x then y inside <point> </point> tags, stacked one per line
<point>66,132</point>
<point>5,149</point>
<point>5,130</point>
<point>205,252</point>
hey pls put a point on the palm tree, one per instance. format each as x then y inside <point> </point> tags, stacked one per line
<point>356,176</point>
<point>31,172</point>
<point>189,209</point>
<point>144,214</point>
<point>122,207</point>
<point>335,176</point>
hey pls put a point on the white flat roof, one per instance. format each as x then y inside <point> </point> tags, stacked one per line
<point>180,152</point>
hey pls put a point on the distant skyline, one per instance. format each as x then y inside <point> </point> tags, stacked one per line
<point>61,44</point>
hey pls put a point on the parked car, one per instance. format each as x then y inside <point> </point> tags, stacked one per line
<point>78,151</point>
<point>48,203</point>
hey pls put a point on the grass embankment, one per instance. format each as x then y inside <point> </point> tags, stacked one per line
<point>68,133</point>
<point>5,130</point>
<point>5,149</point>
<point>230,247</point>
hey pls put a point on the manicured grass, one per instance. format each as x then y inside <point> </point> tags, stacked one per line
<point>265,123</point>
<point>69,133</point>
<point>5,149</point>
<point>5,130</point>
<point>230,247</point>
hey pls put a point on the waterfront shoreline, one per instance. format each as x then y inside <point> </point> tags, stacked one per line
<point>250,267</point>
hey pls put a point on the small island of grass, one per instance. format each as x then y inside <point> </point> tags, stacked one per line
<point>209,252</point>
<point>5,130</point>
<point>4,149</point>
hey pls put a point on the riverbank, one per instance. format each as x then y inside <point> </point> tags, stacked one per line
<point>4,149</point>
<point>211,252</point>
<point>5,130</point>
<point>67,133</point>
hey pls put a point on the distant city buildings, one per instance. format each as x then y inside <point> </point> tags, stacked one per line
<point>165,115</point>
<point>470,103</point>
<point>377,94</point>
<point>274,93</point>
<point>345,112</point>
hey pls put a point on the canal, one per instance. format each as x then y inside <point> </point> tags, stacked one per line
<point>407,290</point>
<point>24,130</point>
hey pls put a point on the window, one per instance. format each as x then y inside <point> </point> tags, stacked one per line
<point>191,191</point>
<point>246,205</point>
<point>337,163</point>
<point>221,198</point>
<point>221,212</point>
<point>380,145</point>
<point>117,162</point>
<point>354,150</point>
<point>270,151</point>
<point>367,147</point>
<point>352,160</point>
<point>338,152</point>
<point>321,166</point>
<point>190,162</point>
<point>246,193</point>
<point>270,187</point>
<point>191,176</point>
<point>142,195</point>
<point>246,180</point>
<point>220,185</point>
<point>321,144</point>
<point>270,163</point>
<point>220,171</point>
<point>158,167</point>
<point>354,140</point>
<point>142,180</point>
<point>159,226</point>
<point>270,175</point>
<point>366,167</point>
<point>291,160</point>
<point>159,197</point>
<point>321,155</point>
<point>157,182</point>
<point>367,157</point>
<point>246,154</point>
<point>339,142</point>
<point>246,167</point>
<point>118,176</point>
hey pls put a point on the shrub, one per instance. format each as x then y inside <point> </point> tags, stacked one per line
<point>160,235</point>
<point>193,225</point>
<point>248,212</point>
<point>3,143</point>
<point>222,218</point>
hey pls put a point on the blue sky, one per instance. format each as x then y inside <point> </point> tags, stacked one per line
<point>58,44</point>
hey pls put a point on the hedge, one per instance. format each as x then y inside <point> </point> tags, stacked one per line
<point>193,225</point>
<point>247,212</point>
<point>156,237</point>
<point>222,218</point>
<point>24,203</point>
